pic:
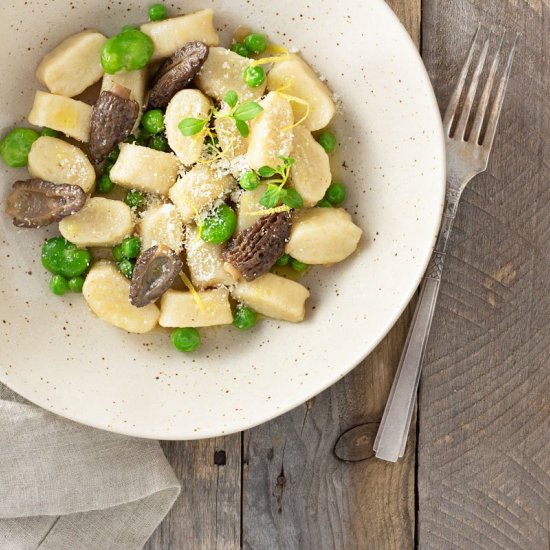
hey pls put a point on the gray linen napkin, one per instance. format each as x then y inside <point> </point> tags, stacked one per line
<point>64,486</point>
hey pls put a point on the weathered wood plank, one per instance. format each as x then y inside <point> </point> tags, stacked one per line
<point>207,514</point>
<point>296,493</point>
<point>484,425</point>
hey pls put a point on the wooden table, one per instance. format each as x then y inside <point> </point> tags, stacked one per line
<point>476,474</point>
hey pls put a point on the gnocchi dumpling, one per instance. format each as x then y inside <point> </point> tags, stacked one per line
<point>198,190</point>
<point>186,104</point>
<point>323,236</point>
<point>55,160</point>
<point>205,309</point>
<point>298,79</point>
<point>101,222</point>
<point>162,225</point>
<point>310,175</point>
<point>74,65</point>
<point>205,261</point>
<point>107,291</point>
<point>248,208</point>
<point>170,35</point>
<point>274,296</point>
<point>145,169</point>
<point>223,71</point>
<point>271,133</point>
<point>68,116</point>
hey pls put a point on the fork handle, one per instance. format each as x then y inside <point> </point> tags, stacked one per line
<point>393,431</point>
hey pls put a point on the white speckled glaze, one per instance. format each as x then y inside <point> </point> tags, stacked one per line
<point>55,353</point>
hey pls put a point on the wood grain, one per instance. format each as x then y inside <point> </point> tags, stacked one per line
<point>207,514</point>
<point>484,424</point>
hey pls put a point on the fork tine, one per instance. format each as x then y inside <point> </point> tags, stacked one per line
<point>460,131</point>
<point>494,115</point>
<point>486,95</point>
<point>455,97</point>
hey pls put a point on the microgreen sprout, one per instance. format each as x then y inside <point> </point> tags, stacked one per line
<point>241,114</point>
<point>276,179</point>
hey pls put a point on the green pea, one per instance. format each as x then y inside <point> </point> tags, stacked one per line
<point>135,199</point>
<point>254,76</point>
<point>15,147</point>
<point>327,140</point>
<point>126,267</point>
<point>249,181</point>
<point>153,121</point>
<point>59,285</point>
<point>117,253</point>
<point>219,226</point>
<point>244,318</point>
<point>240,48</point>
<point>112,157</point>
<point>256,43</point>
<point>49,132</point>
<point>143,137</point>
<point>323,203</point>
<point>131,247</point>
<point>61,257</point>
<point>186,339</point>
<point>159,143</point>
<point>297,265</point>
<point>127,51</point>
<point>157,12</point>
<point>336,193</point>
<point>76,284</point>
<point>283,260</point>
<point>105,184</point>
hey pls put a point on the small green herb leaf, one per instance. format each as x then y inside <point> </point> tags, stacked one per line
<point>247,111</point>
<point>288,161</point>
<point>266,172</point>
<point>243,128</point>
<point>231,98</point>
<point>191,126</point>
<point>293,199</point>
<point>271,198</point>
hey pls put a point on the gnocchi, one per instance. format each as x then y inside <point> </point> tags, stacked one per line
<point>206,309</point>
<point>74,65</point>
<point>298,79</point>
<point>186,104</point>
<point>106,293</point>
<point>102,222</point>
<point>55,160</point>
<point>66,115</point>
<point>145,169</point>
<point>162,225</point>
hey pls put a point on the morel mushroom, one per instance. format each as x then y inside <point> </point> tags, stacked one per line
<point>177,72</point>
<point>113,118</point>
<point>36,203</point>
<point>155,271</point>
<point>253,251</point>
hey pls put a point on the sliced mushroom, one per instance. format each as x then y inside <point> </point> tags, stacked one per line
<point>177,72</point>
<point>254,251</point>
<point>36,202</point>
<point>155,271</point>
<point>113,118</point>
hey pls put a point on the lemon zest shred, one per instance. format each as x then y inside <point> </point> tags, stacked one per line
<point>269,211</point>
<point>282,55</point>
<point>300,101</point>
<point>192,290</point>
<point>276,48</point>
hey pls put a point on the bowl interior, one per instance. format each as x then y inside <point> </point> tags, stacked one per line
<point>55,353</point>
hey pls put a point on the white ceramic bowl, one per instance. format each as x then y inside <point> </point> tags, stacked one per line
<point>391,156</point>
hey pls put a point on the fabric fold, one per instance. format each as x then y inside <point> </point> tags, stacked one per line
<point>68,486</point>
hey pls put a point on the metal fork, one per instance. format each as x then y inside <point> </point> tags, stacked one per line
<point>468,143</point>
